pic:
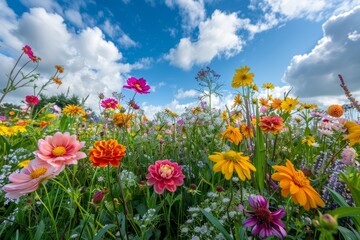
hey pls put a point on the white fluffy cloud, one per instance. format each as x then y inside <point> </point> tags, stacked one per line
<point>217,37</point>
<point>191,93</point>
<point>92,64</point>
<point>316,73</point>
<point>192,11</point>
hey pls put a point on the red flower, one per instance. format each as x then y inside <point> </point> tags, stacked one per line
<point>138,85</point>
<point>32,100</point>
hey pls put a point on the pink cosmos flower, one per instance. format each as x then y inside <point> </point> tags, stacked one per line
<point>264,222</point>
<point>29,178</point>
<point>138,85</point>
<point>28,51</point>
<point>60,149</point>
<point>32,100</point>
<point>165,174</point>
<point>2,118</point>
<point>133,104</point>
<point>109,103</point>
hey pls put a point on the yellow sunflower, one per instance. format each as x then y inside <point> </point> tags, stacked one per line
<point>229,161</point>
<point>242,77</point>
<point>295,183</point>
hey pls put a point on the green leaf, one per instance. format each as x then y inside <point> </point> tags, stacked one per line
<point>40,230</point>
<point>347,234</point>
<point>346,212</point>
<point>217,224</point>
<point>338,198</point>
<point>259,158</point>
<point>103,231</point>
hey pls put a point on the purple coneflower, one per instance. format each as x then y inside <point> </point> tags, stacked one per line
<point>264,222</point>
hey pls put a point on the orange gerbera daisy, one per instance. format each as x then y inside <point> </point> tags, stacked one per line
<point>106,152</point>
<point>295,183</point>
<point>232,134</point>
<point>335,110</point>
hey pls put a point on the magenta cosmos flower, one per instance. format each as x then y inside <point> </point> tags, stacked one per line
<point>29,178</point>
<point>60,149</point>
<point>109,103</point>
<point>32,100</point>
<point>165,174</point>
<point>28,51</point>
<point>138,85</point>
<point>264,222</point>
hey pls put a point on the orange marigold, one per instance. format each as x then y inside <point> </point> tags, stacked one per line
<point>335,110</point>
<point>106,152</point>
<point>271,124</point>
<point>232,134</point>
<point>295,183</point>
<point>122,119</point>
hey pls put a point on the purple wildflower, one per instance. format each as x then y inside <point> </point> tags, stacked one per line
<point>264,222</point>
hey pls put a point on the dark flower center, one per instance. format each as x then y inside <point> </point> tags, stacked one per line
<point>263,215</point>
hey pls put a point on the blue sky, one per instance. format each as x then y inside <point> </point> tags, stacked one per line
<point>301,45</point>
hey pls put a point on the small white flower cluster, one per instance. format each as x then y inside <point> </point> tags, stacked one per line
<point>128,179</point>
<point>198,227</point>
<point>149,218</point>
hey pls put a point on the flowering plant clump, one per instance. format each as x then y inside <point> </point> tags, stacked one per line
<point>266,166</point>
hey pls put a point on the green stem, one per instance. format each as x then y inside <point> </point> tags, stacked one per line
<point>112,200</point>
<point>49,210</point>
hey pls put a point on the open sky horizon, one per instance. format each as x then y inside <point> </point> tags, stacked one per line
<point>297,45</point>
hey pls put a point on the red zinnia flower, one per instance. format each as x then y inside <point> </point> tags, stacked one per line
<point>264,222</point>
<point>138,85</point>
<point>32,100</point>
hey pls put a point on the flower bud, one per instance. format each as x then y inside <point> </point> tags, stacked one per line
<point>98,197</point>
<point>328,222</point>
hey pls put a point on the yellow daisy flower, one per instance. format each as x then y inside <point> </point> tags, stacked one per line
<point>242,77</point>
<point>229,161</point>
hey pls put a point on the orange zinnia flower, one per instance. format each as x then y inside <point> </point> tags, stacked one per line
<point>232,134</point>
<point>335,110</point>
<point>295,183</point>
<point>106,152</point>
<point>271,124</point>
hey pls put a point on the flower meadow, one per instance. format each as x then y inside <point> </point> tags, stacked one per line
<point>262,168</point>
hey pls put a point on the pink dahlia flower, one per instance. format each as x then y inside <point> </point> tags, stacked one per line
<point>109,103</point>
<point>29,178</point>
<point>32,100</point>
<point>138,85</point>
<point>165,174</point>
<point>60,149</point>
<point>264,222</point>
